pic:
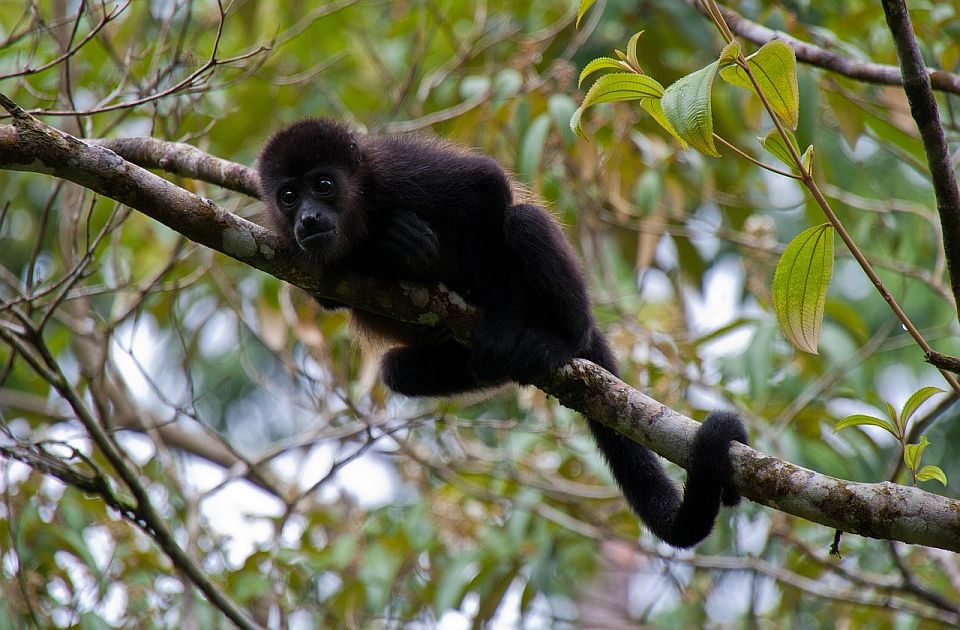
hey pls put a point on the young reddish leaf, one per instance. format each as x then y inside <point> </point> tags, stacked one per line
<point>932,472</point>
<point>800,286</point>
<point>861,419</point>
<point>916,399</point>
<point>686,104</point>
<point>774,67</point>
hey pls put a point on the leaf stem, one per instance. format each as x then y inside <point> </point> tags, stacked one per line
<point>749,157</point>
<point>808,181</point>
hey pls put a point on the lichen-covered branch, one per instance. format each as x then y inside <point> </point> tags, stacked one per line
<point>882,510</point>
<point>185,160</point>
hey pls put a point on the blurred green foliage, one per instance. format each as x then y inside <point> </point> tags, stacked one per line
<point>497,510</point>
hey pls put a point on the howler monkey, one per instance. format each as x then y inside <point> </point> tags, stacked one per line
<point>402,208</point>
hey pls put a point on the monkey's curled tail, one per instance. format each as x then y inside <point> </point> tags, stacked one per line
<point>680,521</point>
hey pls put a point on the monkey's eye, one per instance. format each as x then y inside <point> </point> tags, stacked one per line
<point>324,186</point>
<point>288,197</point>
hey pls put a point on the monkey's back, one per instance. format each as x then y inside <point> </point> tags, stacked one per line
<point>435,177</point>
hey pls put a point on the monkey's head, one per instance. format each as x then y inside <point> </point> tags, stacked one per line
<point>310,183</point>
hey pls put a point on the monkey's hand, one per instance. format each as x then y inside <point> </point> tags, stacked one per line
<point>412,244</point>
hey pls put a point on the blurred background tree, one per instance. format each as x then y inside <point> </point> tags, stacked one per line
<point>312,496</point>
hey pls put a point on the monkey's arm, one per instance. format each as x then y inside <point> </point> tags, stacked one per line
<point>409,245</point>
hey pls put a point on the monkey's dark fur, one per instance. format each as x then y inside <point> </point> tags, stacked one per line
<point>413,209</point>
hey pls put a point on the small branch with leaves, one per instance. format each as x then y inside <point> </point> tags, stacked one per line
<point>684,110</point>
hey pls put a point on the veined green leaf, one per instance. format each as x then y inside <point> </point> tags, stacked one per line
<point>932,472</point>
<point>621,86</point>
<point>913,452</point>
<point>583,8</point>
<point>652,107</point>
<point>686,104</point>
<point>774,67</point>
<point>632,58</point>
<point>894,418</point>
<point>774,143</point>
<point>601,63</point>
<point>916,399</point>
<point>800,286</point>
<point>729,52</point>
<point>859,419</point>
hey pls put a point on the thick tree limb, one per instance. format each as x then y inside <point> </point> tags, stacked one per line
<point>923,108</point>
<point>882,510</point>
<point>185,160</point>
<point>813,55</point>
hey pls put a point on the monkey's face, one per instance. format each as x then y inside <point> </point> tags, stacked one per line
<point>311,210</point>
<point>310,180</point>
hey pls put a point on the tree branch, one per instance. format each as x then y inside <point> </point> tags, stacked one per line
<point>883,510</point>
<point>923,108</point>
<point>827,59</point>
<point>184,160</point>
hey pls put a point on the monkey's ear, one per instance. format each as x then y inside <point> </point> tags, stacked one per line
<point>356,156</point>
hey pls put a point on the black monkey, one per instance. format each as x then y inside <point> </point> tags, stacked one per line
<point>401,208</point>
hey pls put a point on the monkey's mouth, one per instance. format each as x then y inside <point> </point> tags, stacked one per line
<point>317,240</point>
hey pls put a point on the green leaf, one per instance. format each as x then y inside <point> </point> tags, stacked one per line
<point>848,115</point>
<point>807,158</point>
<point>775,144</point>
<point>561,108</point>
<point>601,63</point>
<point>894,418</point>
<point>913,452</point>
<point>686,104</point>
<point>531,148</point>
<point>583,8</point>
<point>632,50</point>
<point>916,399</point>
<point>774,67</point>
<point>453,580</point>
<point>616,87</point>
<point>859,419</point>
<point>932,472</point>
<point>730,52</point>
<point>800,286</point>
<point>652,107</point>
<point>849,318</point>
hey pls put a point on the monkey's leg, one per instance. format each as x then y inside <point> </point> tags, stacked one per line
<point>504,348</point>
<point>429,369</point>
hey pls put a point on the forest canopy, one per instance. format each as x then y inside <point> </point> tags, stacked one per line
<point>764,200</point>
